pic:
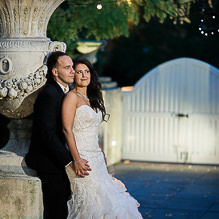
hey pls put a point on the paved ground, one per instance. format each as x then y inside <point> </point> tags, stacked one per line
<point>172,190</point>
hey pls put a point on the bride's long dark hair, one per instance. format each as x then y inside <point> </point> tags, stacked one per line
<point>94,89</point>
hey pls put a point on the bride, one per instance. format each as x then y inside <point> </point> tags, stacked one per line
<point>95,195</point>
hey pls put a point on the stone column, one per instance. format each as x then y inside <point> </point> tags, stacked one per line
<point>23,48</point>
<point>110,132</point>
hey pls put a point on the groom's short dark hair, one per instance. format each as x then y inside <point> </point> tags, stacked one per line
<point>52,61</point>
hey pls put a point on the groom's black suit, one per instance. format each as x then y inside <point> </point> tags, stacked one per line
<point>47,153</point>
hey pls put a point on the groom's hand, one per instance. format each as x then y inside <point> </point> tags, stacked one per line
<point>81,167</point>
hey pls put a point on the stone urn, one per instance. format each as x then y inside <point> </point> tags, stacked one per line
<point>89,49</point>
<point>23,47</point>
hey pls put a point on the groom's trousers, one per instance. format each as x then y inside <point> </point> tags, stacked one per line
<point>56,192</point>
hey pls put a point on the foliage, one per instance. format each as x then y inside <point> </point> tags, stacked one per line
<point>75,20</point>
<point>78,19</point>
<point>126,60</point>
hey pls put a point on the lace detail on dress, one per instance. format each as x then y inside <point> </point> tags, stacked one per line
<point>98,195</point>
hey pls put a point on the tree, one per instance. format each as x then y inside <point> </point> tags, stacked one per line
<point>76,20</point>
<point>126,60</point>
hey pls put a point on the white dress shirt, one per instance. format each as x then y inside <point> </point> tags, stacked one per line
<point>65,89</point>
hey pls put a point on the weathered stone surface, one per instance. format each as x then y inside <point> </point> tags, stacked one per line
<point>20,197</point>
<point>26,18</point>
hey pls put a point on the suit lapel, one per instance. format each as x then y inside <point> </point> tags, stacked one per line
<point>59,89</point>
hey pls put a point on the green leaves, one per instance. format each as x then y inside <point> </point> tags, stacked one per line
<point>79,19</point>
<point>160,9</point>
<point>72,19</point>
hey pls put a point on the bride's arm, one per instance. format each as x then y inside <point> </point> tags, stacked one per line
<point>68,115</point>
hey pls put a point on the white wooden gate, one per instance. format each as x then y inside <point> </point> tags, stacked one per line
<point>172,114</point>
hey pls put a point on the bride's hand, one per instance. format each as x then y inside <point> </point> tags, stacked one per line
<point>81,167</point>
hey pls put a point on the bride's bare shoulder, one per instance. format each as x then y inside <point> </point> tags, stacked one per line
<point>71,96</point>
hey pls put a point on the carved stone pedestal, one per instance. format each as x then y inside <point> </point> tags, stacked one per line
<point>23,48</point>
<point>20,189</point>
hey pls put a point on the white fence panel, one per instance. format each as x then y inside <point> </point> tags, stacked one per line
<point>172,114</point>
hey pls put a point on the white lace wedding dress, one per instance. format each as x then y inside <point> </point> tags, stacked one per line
<point>99,195</point>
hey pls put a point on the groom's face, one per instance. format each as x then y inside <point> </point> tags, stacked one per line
<point>63,72</point>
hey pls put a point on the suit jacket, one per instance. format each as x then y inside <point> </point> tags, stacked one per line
<point>47,152</point>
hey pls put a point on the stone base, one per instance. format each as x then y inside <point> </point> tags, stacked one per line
<point>20,197</point>
<point>20,190</point>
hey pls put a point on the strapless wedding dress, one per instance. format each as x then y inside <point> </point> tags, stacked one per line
<point>99,195</point>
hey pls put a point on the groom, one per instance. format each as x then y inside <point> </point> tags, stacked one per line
<point>47,153</point>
